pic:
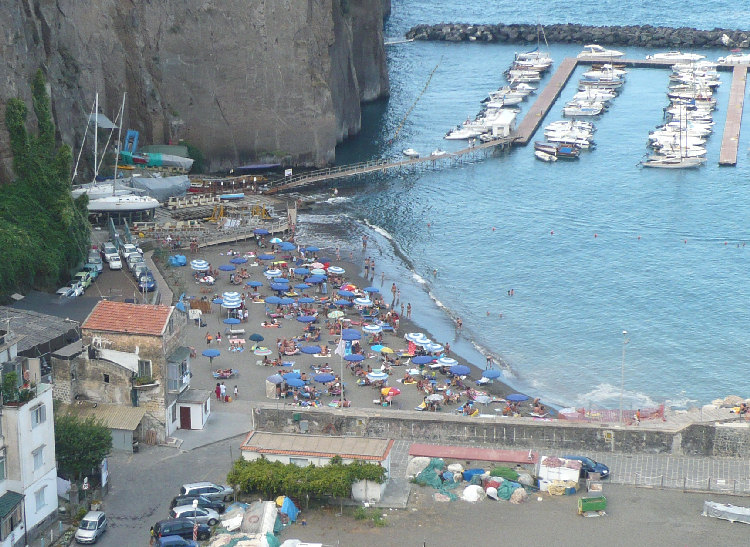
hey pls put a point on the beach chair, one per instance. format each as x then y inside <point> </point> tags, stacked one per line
<point>422,406</point>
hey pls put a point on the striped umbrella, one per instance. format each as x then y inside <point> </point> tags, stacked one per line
<point>199,265</point>
<point>372,329</point>
<point>336,270</point>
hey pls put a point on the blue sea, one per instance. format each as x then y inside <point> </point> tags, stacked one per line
<point>590,248</point>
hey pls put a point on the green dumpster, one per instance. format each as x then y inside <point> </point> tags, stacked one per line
<point>599,503</point>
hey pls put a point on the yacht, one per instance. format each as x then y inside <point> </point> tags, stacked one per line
<point>410,153</point>
<point>126,203</point>
<point>672,162</point>
<point>676,56</point>
<point>595,51</point>
<point>734,59</point>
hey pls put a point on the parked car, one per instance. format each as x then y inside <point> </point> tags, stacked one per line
<point>202,515</point>
<point>95,259</point>
<point>84,278</point>
<point>108,251</point>
<point>139,270</point>
<point>129,249</point>
<point>71,290</point>
<point>93,270</point>
<point>590,466</point>
<point>209,490</point>
<point>133,260</point>
<point>179,527</point>
<point>92,526</point>
<point>175,541</point>
<point>147,282</point>
<point>115,263</point>
<point>203,501</point>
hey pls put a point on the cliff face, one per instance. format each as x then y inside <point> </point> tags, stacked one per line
<point>268,79</point>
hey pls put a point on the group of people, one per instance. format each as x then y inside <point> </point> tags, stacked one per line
<point>221,392</point>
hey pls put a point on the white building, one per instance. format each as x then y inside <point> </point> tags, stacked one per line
<point>28,471</point>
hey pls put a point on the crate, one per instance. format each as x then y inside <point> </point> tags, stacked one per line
<point>585,505</point>
<point>594,486</point>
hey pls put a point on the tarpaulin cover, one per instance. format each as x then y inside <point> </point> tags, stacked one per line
<point>290,509</point>
<point>505,490</point>
<point>470,473</point>
<point>732,513</point>
<point>505,472</point>
<point>429,477</point>
<point>272,540</point>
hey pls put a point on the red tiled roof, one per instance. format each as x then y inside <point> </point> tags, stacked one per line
<point>128,318</point>
<point>473,453</point>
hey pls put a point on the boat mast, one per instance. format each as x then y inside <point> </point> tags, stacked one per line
<point>96,134</point>
<point>119,135</point>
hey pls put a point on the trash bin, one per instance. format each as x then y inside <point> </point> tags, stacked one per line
<point>303,426</point>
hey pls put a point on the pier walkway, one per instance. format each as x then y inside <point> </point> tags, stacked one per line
<point>731,139</point>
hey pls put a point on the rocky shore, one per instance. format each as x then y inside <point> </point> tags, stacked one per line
<point>637,36</point>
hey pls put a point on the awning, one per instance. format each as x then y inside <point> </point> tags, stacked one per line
<point>8,502</point>
<point>179,355</point>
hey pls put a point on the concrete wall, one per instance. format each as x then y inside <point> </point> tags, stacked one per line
<point>695,439</point>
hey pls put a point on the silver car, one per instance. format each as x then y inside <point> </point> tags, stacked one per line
<point>92,526</point>
<point>202,515</point>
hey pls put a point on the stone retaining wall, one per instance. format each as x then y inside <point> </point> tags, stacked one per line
<point>638,36</point>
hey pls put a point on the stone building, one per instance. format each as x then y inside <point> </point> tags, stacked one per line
<point>131,355</point>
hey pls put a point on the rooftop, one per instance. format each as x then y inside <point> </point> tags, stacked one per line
<point>128,318</point>
<point>31,328</point>
<point>113,416</point>
<point>355,448</point>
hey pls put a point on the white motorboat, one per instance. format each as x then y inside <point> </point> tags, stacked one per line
<point>676,56</point>
<point>410,153</point>
<point>523,75</point>
<point>505,101</point>
<point>544,156</point>
<point>578,109</point>
<point>124,204</point>
<point>594,94</point>
<point>734,59</point>
<point>438,153</point>
<point>462,133</point>
<point>606,72</point>
<point>572,124</point>
<point>595,51</point>
<point>570,140</point>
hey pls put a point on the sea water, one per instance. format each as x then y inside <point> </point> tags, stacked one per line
<point>589,248</point>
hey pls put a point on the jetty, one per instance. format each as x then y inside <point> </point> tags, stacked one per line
<point>731,139</point>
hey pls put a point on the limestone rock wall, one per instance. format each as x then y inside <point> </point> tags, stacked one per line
<point>268,79</point>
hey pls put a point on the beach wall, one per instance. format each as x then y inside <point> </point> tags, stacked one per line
<point>693,440</point>
<point>637,36</point>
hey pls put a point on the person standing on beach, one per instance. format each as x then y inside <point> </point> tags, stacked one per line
<point>367,266</point>
<point>382,280</point>
<point>402,309</point>
<point>338,252</point>
<point>408,310</point>
<point>218,391</point>
<point>398,296</point>
<point>364,242</point>
<point>223,389</point>
<point>236,392</point>
<point>393,291</point>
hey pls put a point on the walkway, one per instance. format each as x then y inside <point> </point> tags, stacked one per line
<point>731,139</point>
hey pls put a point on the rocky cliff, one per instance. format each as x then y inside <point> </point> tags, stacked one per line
<point>242,81</point>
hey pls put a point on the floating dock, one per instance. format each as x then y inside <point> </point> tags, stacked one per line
<point>730,142</point>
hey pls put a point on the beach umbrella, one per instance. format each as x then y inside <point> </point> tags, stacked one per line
<point>306,300</point>
<point>255,337</point>
<point>324,377</point>
<point>517,397</point>
<point>211,353</point>
<point>306,318</point>
<point>262,351</point>
<point>266,257</point>
<point>260,232</point>
<point>274,240</point>
<point>335,270</point>
<point>364,302</point>
<point>354,357</point>
<point>324,260</point>
<point>342,302</point>
<point>311,249</point>
<point>344,293</point>
<point>275,379</point>
<point>422,359</point>
<point>386,349</point>
<point>491,374</point>
<point>254,284</point>
<point>275,272</point>
<point>287,246</point>
<point>227,268</point>
<point>231,321</point>
<point>295,382</point>
<point>280,286</point>
<point>372,329</point>
<point>377,376</point>
<point>350,334</point>
<point>285,301</point>
<point>424,342</point>
<point>318,271</point>
<point>335,314</point>
<point>414,336</point>
<point>447,361</point>
<point>349,287</point>
<point>230,295</point>
<point>460,370</point>
<point>367,289</point>
<point>311,350</point>
<point>273,300</point>
<point>301,271</point>
<point>317,265</point>
<point>217,301</point>
<point>315,279</point>
<point>238,260</point>
<point>377,347</point>
<point>231,304</point>
<point>435,397</point>
<point>433,348</point>
<point>302,286</point>
<point>390,391</point>
<point>199,265</point>
<point>289,375</point>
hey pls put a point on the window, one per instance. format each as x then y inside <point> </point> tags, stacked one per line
<point>144,368</point>
<point>178,376</point>
<point>106,378</point>
<point>2,464</point>
<point>38,455</point>
<point>300,462</point>
<point>174,412</point>
<point>38,415</point>
<point>39,498</point>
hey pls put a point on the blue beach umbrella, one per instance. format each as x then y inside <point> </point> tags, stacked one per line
<point>301,271</point>
<point>274,240</point>
<point>285,301</point>
<point>260,232</point>
<point>372,329</point>
<point>311,350</point>
<point>350,334</point>
<point>275,379</point>
<point>287,246</point>
<point>227,268</point>
<point>311,249</point>
<point>447,361</point>
<point>295,382</point>
<point>460,370</point>
<point>422,359</point>
<point>377,347</point>
<point>318,271</point>
<point>306,318</point>
<point>354,357</point>
<point>336,270</point>
<point>273,300</point>
<point>302,286</point>
<point>280,286</point>
<point>211,353</point>
<point>315,279</point>
<point>345,293</point>
<point>289,375</point>
<point>275,272</point>
<point>217,301</point>
<point>343,303</point>
<point>517,397</point>
<point>377,376</point>
<point>371,289</point>
<point>306,300</point>
<point>256,337</point>
<point>238,260</point>
<point>231,321</point>
<point>233,295</point>
<point>254,284</point>
<point>324,377</point>
<point>266,257</point>
<point>491,374</point>
<point>199,265</point>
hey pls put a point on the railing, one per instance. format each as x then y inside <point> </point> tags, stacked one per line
<point>686,484</point>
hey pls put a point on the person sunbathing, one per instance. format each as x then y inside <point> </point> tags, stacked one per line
<point>324,351</point>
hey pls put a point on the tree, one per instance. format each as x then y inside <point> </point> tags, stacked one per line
<point>80,445</point>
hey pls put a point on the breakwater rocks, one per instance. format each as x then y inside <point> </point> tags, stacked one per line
<point>637,36</point>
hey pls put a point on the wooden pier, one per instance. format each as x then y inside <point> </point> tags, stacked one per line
<point>525,130</point>
<point>730,142</point>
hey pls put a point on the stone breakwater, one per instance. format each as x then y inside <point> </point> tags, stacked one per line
<point>637,36</point>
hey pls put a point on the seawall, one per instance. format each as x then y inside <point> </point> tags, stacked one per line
<point>697,439</point>
<point>638,36</point>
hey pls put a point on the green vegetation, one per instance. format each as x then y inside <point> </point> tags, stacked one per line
<point>44,233</point>
<point>373,515</point>
<point>275,478</point>
<point>199,160</point>
<point>80,445</point>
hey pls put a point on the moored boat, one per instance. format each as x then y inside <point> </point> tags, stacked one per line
<point>410,153</point>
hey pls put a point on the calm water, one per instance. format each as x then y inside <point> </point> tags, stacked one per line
<point>590,248</point>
